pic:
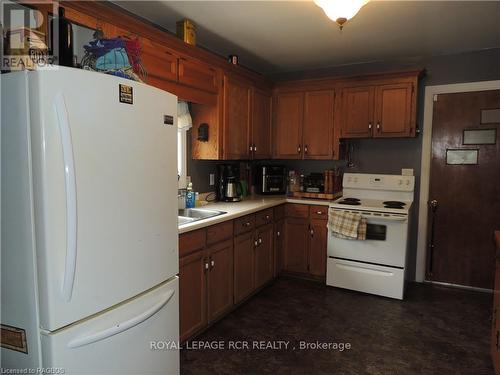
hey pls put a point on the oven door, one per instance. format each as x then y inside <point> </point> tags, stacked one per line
<point>386,242</point>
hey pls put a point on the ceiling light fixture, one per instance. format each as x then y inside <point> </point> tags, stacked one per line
<point>341,11</point>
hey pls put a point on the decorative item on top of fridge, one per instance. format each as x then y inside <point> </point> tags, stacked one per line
<point>120,56</point>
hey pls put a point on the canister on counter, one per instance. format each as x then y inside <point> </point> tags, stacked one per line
<point>186,30</point>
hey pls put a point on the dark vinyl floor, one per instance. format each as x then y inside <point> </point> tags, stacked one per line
<point>436,330</point>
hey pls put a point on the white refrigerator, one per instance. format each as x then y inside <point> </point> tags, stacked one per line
<point>89,224</point>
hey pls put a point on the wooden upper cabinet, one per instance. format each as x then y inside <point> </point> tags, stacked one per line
<point>288,126</point>
<point>318,125</point>
<point>393,111</point>
<point>198,75</point>
<point>261,124</point>
<point>159,62</point>
<point>236,122</point>
<point>220,279</point>
<point>357,112</point>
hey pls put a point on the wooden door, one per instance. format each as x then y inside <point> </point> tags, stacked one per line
<point>261,124</point>
<point>279,255</point>
<point>287,138</point>
<point>393,111</point>
<point>467,196</point>
<point>244,246</point>
<point>317,247</point>
<point>236,119</point>
<point>192,294</point>
<point>197,74</point>
<point>357,112</point>
<point>495,326</point>
<point>296,241</point>
<point>220,279</point>
<point>264,255</point>
<point>318,124</point>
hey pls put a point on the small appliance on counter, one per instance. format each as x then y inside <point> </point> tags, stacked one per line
<point>270,179</point>
<point>228,183</point>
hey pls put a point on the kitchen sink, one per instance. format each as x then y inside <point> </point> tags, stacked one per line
<point>188,215</point>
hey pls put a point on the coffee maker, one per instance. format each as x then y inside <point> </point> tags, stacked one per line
<point>228,183</point>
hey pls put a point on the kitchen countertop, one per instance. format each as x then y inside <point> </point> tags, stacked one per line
<point>247,206</point>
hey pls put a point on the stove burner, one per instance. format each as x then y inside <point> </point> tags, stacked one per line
<point>350,201</point>
<point>394,204</point>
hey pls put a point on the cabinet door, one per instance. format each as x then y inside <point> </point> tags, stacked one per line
<point>192,294</point>
<point>296,241</point>
<point>318,125</point>
<point>495,328</point>
<point>196,74</point>
<point>357,112</point>
<point>261,124</point>
<point>220,279</point>
<point>264,255</point>
<point>236,119</point>
<point>279,255</point>
<point>393,107</point>
<point>159,62</point>
<point>317,247</point>
<point>244,246</point>
<point>288,127</point>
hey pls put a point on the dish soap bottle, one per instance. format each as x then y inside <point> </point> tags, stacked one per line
<point>190,196</point>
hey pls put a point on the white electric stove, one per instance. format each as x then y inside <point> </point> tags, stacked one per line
<point>376,265</point>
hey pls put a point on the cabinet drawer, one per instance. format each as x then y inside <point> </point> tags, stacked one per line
<point>197,74</point>
<point>264,217</point>
<point>318,212</point>
<point>219,232</point>
<point>297,210</point>
<point>279,212</point>
<point>244,224</point>
<point>191,241</point>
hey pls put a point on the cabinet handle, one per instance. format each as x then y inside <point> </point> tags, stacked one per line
<point>299,149</point>
<point>260,241</point>
<point>247,224</point>
<point>319,212</point>
<point>251,148</point>
<point>370,125</point>
<point>206,267</point>
<point>256,243</point>
<point>305,149</point>
<point>378,125</point>
<point>212,264</point>
<point>254,148</point>
<point>278,233</point>
<point>312,232</point>
<point>267,217</point>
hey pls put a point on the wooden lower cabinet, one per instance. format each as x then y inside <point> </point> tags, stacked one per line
<point>220,279</point>
<point>279,235</point>
<point>192,294</point>
<point>243,266</point>
<point>263,260</point>
<point>318,247</point>
<point>296,240</point>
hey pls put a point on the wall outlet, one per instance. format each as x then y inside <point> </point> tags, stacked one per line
<point>407,172</point>
<point>212,179</point>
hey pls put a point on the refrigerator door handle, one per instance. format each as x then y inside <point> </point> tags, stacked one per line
<point>70,182</point>
<point>121,327</point>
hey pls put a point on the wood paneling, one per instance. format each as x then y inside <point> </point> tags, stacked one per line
<point>236,118</point>
<point>318,125</point>
<point>244,246</point>
<point>192,294</point>
<point>357,112</point>
<point>198,75</point>
<point>220,279</point>
<point>158,61</point>
<point>393,111</point>
<point>288,126</point>
<point>261,124</point>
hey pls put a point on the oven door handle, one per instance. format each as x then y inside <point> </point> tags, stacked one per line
<point>382,218</point>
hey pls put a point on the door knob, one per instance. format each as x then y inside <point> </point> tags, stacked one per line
<point>434,205</point>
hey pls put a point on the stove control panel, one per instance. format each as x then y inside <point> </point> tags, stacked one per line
<point>378,182</point>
